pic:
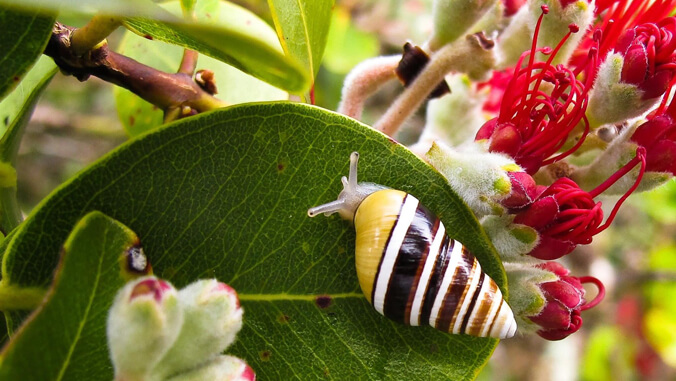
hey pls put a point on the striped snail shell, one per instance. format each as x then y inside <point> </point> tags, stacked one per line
<point>410,270</point>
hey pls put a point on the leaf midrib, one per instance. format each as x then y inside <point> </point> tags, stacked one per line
<point>296,297</point>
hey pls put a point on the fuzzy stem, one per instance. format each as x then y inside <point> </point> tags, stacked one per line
<point>364,80</point>
<point>165,90</point>
<point>452,57</point>
<point>93,33</point>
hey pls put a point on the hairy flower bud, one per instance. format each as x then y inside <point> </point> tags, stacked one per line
<point>480,178</point>
<point>143,324</point>
<point>564,300</point>
<point>213,317</point>
<point>221,368</point>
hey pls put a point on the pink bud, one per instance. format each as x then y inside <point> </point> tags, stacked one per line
<point>506,139</point>
<point>154,287</point>
<point>564,300</point>
<point>512,6</point>
<point>649,56</point>
<point>248,374</point>
<point>653,131</point>
<point>222,287</point>
<point>635,65</point>
<point>550,248</point>
<point>486,131</point>
<point>662,158</point>
<point>540,214</point>
<point>524,190</point>
<point>658,137</point>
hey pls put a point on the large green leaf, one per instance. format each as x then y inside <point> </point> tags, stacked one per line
<point>24,37</point>
<point>225,194</point>
<point>302,27</point>
<point>15,111</point>
<point>65,338</point>
<point>234,86</point>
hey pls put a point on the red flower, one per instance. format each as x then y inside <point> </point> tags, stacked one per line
<point>658,137</point>
<point>534,124</point>
<point>564,300</point>
<point>566,216</point>
<point>649,56</point>
<point>614,18</point>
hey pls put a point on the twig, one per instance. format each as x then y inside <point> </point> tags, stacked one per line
<point>93,33</point>
<point>164,90</point>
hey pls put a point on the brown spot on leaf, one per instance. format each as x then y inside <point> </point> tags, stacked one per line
<point>323,301</point>
<point>132,120</point>
<point>265,355</point>
<point>6,121</point>
<point>280,167</point>
<point>283,318</point>
<point>147,36</point>
<point>16,79</point>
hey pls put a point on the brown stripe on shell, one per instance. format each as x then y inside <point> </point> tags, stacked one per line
<point>416,280</point>
<point>470,308</point>
<point>455,294</point>
<point>484,308</point>
<point>468,262</point>
<point>497,313</point>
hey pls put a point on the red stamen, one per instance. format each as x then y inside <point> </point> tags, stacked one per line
<point>599,295</point>
<point>640,158</point>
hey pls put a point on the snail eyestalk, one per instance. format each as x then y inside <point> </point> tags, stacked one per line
<point>350,197</point>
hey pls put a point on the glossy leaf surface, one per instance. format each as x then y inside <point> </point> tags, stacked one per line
<point>225,194</point>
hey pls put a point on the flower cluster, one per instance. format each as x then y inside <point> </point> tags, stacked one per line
<point>157,333</point>
<point>556,77</point>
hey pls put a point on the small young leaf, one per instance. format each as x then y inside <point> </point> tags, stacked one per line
<point>24,37</point>
<point>65,338</point>
<point>302,27</point>
<point>225,194</point>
